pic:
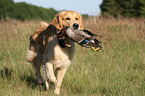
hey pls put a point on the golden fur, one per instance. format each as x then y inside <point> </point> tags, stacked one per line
<point>45,50</point>
<point>68,18</point>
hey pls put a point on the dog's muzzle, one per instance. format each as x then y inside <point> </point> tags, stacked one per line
<point>76,26</point>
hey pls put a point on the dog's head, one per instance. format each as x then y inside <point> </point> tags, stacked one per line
<point>68,18</point>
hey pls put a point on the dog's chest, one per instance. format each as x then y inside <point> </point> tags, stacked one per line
<point>62,57</point>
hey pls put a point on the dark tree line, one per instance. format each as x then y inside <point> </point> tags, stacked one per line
<point>24,11</point>
<point>126,8</point>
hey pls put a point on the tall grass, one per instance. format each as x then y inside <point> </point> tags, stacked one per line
<point>119,69</point>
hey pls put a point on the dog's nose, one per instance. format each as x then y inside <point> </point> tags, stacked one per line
<point>76,26</point>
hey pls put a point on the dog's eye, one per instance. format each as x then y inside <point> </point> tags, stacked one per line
<point>76,18</point>
<point>67,18</point>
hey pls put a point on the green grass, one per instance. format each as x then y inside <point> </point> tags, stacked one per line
<point>119,69</point>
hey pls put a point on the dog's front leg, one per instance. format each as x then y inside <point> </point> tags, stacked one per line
<point>60,75</point>
<point>50,72</point>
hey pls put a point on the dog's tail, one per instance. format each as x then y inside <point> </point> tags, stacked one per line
<point>30,56</point>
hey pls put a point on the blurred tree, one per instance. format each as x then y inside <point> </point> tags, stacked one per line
<point>139,8</point>
<point>126,8</point>
<point>6,6</point>
<point>85,16</point>
<point>24,11</point>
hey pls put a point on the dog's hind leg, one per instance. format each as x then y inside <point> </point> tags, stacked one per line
<point>38,75</point>
<point>37,65</point>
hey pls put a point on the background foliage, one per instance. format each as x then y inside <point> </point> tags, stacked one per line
<point>24,11</point>
<point>126,8</point>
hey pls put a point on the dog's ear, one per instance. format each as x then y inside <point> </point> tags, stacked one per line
<point>57,21</point>
<point>81,23</point>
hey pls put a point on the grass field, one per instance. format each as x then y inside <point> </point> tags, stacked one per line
<point>118,70</point>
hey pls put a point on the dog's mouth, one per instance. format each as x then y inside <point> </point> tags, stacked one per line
<point>75,28</point>
<point>84,38</point>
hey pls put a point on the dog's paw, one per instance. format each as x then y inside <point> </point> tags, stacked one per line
<point>57,91</point>
<point>40,81</point>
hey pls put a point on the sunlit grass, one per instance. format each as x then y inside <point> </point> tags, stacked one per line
<point>116,70</point>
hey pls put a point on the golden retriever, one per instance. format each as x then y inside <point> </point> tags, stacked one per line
<point>45,49</point>
<point>68,18</point>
